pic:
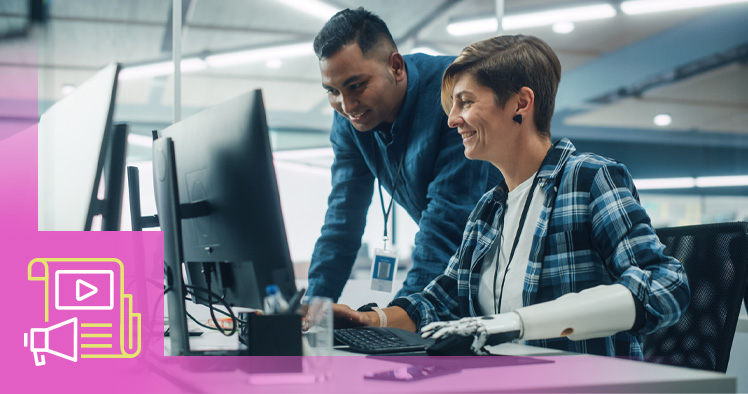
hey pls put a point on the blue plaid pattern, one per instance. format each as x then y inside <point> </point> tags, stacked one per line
<point>592,231</point>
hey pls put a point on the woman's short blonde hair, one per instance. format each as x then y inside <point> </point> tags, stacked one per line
<point>506,64</point>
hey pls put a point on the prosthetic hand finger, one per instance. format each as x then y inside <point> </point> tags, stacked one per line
<point>431,328</point>
<point>471,335</point>
<point>496,329</point>
<point>465,326</point>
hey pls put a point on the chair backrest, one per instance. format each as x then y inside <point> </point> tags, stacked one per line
<point>715,257</point>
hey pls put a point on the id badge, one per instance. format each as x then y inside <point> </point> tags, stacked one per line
<point>383,270</point>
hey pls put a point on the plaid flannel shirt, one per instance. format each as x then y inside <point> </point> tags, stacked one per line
<point>592,231</point>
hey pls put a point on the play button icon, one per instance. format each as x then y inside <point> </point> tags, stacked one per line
<point>85,286</point>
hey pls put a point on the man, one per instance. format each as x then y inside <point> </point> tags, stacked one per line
<point>389,125</point>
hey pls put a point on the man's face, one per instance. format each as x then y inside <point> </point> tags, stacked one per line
<point>363,89</point>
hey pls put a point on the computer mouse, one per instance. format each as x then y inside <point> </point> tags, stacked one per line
<point>451,345</point>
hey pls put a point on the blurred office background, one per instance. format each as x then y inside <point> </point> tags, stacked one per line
<point>664,92</point>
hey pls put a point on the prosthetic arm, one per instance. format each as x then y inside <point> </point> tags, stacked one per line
<point>597,312</point>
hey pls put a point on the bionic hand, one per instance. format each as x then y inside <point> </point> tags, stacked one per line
<point>490,330</point>
<point>597,312</point>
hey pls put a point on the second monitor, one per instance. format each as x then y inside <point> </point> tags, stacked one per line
<point>232,234</point>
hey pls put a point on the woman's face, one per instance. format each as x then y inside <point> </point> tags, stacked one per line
<point>484,126</point>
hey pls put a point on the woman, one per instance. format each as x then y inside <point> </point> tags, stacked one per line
<point>561,253</point>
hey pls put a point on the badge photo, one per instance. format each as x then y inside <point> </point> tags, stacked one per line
<point>383,270</point>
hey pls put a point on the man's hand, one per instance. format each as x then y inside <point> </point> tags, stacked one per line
<point>486,330</point>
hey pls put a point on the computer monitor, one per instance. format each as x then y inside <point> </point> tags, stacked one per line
<point>219,206</point>
<point>82,158</point>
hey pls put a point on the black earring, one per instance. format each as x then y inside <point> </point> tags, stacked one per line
<point>518,119</point>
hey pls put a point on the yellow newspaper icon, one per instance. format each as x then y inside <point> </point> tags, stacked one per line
<point>89,295</point>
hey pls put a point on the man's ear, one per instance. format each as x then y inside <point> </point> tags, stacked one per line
<point>525,103</point>
<point>397,66</point>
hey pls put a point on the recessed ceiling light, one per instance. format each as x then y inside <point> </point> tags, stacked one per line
<point>274,63</point>
<point>663,120</point>
<point>563,27</point>
<point>67,89</point>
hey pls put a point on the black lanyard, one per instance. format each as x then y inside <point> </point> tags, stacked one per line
<point>386,212</point>
<point>514,246</point>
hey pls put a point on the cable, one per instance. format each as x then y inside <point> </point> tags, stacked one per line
<point>231,314</point>
<point>207,269</point>
<point>199,298</point>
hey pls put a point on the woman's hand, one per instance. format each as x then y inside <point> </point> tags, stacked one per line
<point>345,317</point>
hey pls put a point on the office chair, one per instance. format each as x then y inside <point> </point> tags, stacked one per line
<point>715,257</point>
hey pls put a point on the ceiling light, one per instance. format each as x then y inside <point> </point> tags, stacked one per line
<point>665,183</point>
<point>636,7</point>
<point>160,68</point>
<point>67,89</point>
<point>274,63</point>
<point>427,50</point>
<point>662,120</point>
<point>474,26</point>
<point>563,27</point>
<point>260,54</point>
<point>543,18</point>
<point>721,181</point>
<point>533,19</point>
<point>316,8</point>
<point>688,183</point>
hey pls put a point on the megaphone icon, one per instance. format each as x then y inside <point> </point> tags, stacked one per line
<point>41,341</point>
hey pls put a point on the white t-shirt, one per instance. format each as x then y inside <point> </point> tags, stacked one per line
<point>515,276</point>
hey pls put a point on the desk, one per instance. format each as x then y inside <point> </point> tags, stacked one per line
<point>568,373</point>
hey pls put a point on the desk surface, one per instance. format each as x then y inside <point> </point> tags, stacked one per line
<point>569,373</point>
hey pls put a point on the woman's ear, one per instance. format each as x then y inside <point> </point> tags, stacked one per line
<point>525,103</point>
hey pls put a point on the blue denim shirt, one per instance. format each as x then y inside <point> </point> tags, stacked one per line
<point>438,186</point>
<point>592,231</point>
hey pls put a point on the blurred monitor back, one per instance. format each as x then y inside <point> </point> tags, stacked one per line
<point>237,246</point>
<point>81,158</point>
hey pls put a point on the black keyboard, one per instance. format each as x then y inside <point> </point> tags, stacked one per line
<point>377,340</point>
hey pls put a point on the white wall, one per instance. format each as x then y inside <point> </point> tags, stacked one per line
<point>304,191</point>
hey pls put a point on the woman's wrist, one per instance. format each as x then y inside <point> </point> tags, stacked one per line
<point>372,319</point>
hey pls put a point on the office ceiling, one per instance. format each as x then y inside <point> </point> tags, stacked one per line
<point>618,73</point>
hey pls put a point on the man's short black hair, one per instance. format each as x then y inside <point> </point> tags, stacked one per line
<point>348,25</point>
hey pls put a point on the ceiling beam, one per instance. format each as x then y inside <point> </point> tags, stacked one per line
<point>681,73</point>
<point>412,32</point>
<point>698,38</point>
<point>667,138</point>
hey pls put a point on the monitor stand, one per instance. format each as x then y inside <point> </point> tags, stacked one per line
<point>170,219</point>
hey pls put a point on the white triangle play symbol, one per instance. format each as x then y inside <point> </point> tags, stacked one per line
<point>80,284</point>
